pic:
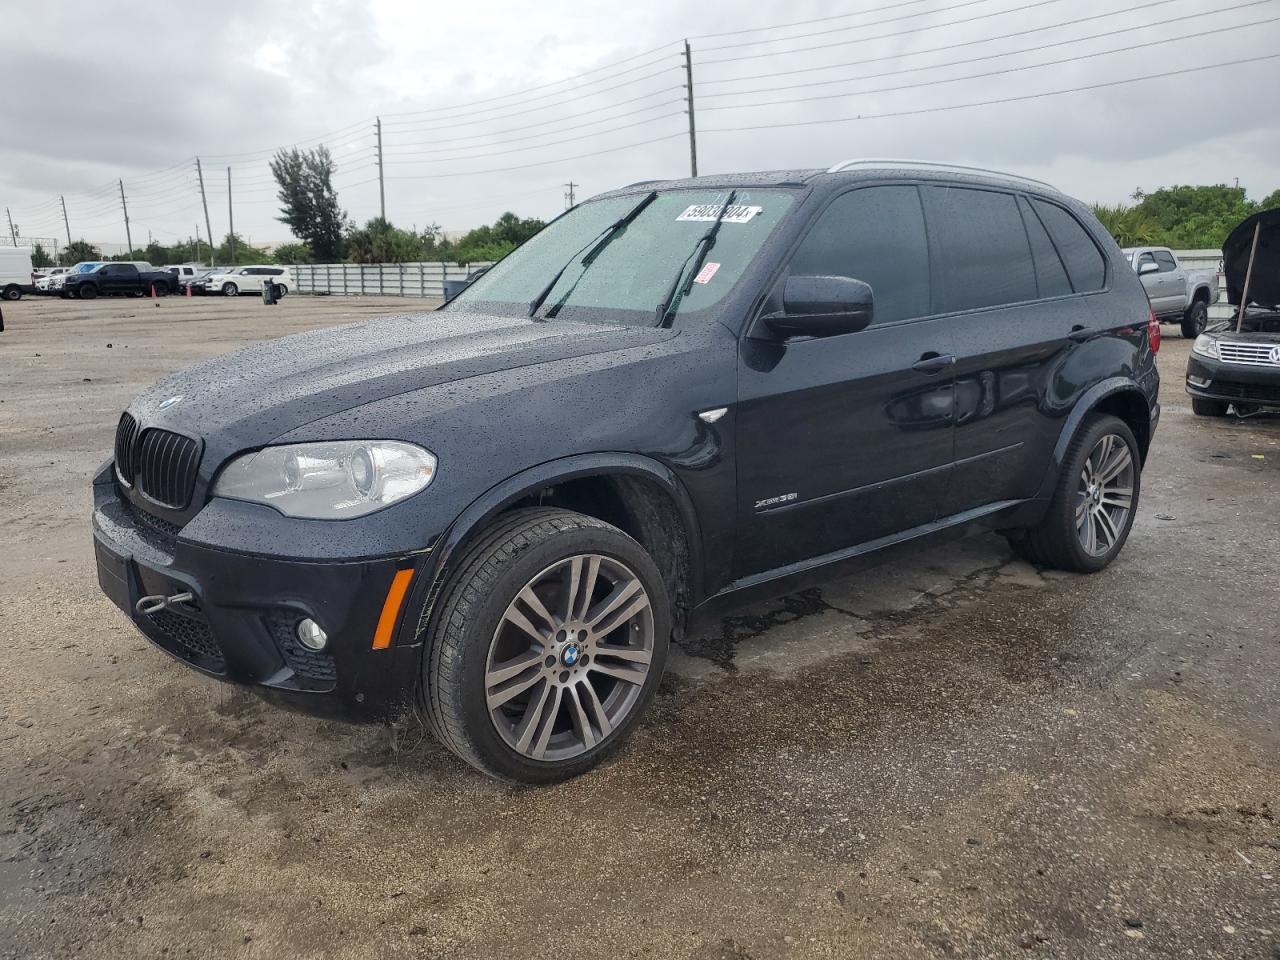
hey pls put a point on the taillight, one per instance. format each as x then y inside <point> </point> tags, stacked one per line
<point>1153,332</point>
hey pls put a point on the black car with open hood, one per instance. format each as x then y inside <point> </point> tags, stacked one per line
<point>1237,363</point>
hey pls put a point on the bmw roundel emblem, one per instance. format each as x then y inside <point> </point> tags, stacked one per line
<point>169,402</point>
<point>570,655</point>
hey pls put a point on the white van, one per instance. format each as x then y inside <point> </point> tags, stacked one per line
<point>15,272</point>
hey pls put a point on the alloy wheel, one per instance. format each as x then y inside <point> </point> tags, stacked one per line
<point>569,658</point>
<point>1104,496</point>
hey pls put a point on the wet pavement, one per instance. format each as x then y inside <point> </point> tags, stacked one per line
<point>951,755</point>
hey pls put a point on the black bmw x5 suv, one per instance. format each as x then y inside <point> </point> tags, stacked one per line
<point>678,396</point>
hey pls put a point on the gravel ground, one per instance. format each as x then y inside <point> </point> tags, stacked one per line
<point>952,756</point>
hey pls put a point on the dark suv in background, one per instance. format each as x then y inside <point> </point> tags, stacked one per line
<point>678,396</point>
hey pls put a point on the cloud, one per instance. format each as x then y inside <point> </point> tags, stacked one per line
<point>464,88</point>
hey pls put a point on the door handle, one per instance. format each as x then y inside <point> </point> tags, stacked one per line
<point>932,363</point>
<point>1080,334</point>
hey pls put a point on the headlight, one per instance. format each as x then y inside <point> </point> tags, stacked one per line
<point>1206,346</point>
<point>328,481</point>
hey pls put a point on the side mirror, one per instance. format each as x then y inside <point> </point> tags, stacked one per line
<point>1147,267</point>
<point>823,307</point>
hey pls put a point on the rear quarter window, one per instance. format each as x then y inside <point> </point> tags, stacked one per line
<point>1084,261</point>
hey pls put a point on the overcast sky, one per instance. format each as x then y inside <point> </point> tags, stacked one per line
<point>92,96</point>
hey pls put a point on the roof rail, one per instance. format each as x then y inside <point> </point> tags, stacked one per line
<point>931,165</point>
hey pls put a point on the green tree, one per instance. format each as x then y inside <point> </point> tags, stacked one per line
<point>293,253</point>
<point>309,202</point>
<point>378,241</point>
<point>1196,217</point>
<point>1129,225</point>
<point>243,252</point>
<point>80,250</point>
<point>1271,201</point>
<point>483,243</point>
<point>40,257</point>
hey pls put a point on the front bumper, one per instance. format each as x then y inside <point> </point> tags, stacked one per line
<point>1210,379</point>
<point>240,623</point>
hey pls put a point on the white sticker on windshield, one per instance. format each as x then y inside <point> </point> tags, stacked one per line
<point>707,213</point>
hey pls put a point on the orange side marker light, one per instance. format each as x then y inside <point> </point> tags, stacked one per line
<point>391,609</point>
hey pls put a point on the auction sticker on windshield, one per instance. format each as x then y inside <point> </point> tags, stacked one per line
<point>707,213</point>
<point>706,273</point>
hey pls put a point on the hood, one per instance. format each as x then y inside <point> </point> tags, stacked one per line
<point>1264,287</point>
<point>250,397</point>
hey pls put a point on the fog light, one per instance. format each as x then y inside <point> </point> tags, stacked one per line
<point>311,636</point>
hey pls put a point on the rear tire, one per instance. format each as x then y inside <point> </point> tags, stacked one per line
<point>572,708</point>
<point>13,292</point>
<point>1195,319</point>
<point>1090,515</point>
<point>1208,408</point>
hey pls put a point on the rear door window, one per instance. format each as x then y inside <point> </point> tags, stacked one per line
<point>1085,263</point>
<point>983,256</point>
<point>876,235</point>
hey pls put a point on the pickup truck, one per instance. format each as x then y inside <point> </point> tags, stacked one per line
<point>1176,295</point>
<point>116,278</point>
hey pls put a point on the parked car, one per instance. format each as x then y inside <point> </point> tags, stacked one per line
<point>237,280</point>
<point>15,273</point>
<point>1177,295</point>
<point>1241,367</point>
<point>677,397</point>
<point>199,284</point>
<point>44,279</point>
<point>116,279</point>
<point>183,273</point>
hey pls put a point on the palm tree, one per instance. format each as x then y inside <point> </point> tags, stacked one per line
<point>1130,226</point>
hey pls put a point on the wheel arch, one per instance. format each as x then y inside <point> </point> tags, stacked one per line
<point>637,494</point>
<point>1200,293</point>
<point>1119,397</point>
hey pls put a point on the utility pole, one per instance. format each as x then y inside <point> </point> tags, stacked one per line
<point>231,220</point>
<point>198,244</point>
<point>65,222</point>
<point>570,202</point>
<point>125,207</point>
<point>204,201</point>
<point>382,194</point>
<point>12,232</point>
<point>693,130</point>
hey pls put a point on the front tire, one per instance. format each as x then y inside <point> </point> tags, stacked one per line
<point>1195,319</point>
<point>87,292</point>
<point>1208,408</point>
<point>1094,503</point>
<point>229,289</point>
<point>548,644</point>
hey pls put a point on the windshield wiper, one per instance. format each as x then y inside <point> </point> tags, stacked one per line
<point>671,303</point>
<point>594,245</point>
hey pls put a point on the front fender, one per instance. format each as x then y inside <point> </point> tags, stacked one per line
<point>438,563</point>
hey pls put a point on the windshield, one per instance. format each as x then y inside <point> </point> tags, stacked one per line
<point>632,273</point>
<point>87,267</point>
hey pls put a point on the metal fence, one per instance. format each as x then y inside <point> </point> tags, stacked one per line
<point>379,279</point>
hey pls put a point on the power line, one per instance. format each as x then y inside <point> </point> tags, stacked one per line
<point>882,36</point>
<point>551,130</point>
<point>856,26</point>
<point>553,83</point>
<point>992,73</point>
<point>1002,100</point>
<point>965,43</point>
<point>556,143</point>
<point>805,23</point>
<point>541,163</point>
